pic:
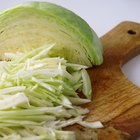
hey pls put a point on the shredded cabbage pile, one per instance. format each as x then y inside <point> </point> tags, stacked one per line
<point>39,96</point>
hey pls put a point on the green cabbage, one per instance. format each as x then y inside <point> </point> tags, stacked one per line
<point>39,96</point>
<point>39,86</point>
<point>37,23</point>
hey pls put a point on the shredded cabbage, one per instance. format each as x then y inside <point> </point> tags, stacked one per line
<point>39,96</point>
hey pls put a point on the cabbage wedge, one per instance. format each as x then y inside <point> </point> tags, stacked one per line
<point>35,24</point>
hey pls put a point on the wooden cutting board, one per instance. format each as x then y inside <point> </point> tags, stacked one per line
<point>116,100</point>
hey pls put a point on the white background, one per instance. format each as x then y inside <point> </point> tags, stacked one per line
<point>102,16</point>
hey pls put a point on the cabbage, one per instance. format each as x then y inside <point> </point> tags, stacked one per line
<point>39,96</point>
<point>34,24</point>
<point>49,48</point>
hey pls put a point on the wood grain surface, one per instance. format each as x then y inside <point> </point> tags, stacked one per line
<point>116,100</point>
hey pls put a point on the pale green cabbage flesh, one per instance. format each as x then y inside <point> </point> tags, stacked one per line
<point>49,48</point>
<point>39,96</point>
<point>37,23</point>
